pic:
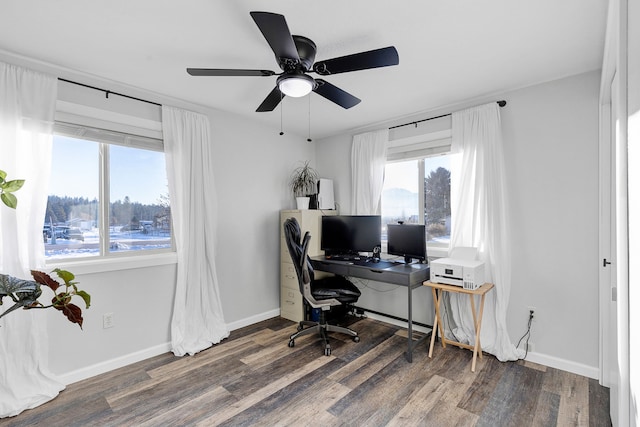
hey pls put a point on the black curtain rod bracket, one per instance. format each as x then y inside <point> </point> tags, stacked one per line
<point>109,92</point>
<point>501,103</point>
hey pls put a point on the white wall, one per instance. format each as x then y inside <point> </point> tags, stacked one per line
<point>551,136</point>
<point>253,164</point>
<point>252,169</point>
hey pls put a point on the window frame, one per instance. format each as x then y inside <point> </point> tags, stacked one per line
<point>106,138</point>
<point>418,145</point>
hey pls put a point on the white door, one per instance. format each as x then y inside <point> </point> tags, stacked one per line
<point>614,295</point>
<point>614,291</point>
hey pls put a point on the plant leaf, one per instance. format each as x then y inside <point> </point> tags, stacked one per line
<point>73,313</point>
<point>44,279</point>
<point>65,275</point>
<point>9,200</point>
<point>12,285</point>
<point>14,185</point>
<point>85,296</point>
<point>3,175</point>
<point>24,293</point>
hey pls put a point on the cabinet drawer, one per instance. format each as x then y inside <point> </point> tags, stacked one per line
<point>288,276</point>
<point>291,306</point>
<point>284,251</point>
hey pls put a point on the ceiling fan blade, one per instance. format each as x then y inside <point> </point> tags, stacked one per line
<point>383,57</point>
<point>228,72</point>
<point>275,30</point>
<point>271,101</point>
<point>335,94</point>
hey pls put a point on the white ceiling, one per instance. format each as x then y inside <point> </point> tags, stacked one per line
<point>450,51</point>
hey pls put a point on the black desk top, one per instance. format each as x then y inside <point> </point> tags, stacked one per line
<point>382,271</point>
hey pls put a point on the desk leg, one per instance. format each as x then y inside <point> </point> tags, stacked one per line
<point>410,324</point>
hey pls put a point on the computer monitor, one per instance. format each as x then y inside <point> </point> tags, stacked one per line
<point>350,234</point>
<point>407,240</point>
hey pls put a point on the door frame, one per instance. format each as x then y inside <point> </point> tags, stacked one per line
<point>613,217</point>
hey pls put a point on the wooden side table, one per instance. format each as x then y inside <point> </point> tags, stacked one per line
<point>477,316</point>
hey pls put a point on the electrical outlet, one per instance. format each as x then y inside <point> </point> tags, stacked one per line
<point>530,347</point>
<point>107,320</point>
<point>532,310</point>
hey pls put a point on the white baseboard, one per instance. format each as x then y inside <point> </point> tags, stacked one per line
<point>564,365</point>
<point>542,359</point>
<point>110,365</point>
<point>253,319</point>
<point>127,359</point>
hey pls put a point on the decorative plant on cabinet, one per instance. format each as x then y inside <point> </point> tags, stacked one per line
<point>304,183</point>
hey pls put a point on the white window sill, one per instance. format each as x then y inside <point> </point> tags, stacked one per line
<point>101,265</point>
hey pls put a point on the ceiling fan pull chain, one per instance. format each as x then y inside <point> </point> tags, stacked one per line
<point>309,134</point>
<point>281,107</point>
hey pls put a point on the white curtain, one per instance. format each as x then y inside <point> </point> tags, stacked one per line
<point>197,321</point>
<point>368,158</point>
<point>480,219</point>
<point>27,107</point>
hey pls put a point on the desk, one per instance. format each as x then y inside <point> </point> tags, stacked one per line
<point>410,275</point>
<point>477,317</point>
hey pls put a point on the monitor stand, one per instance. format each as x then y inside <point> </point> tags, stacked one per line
<point>407,260</point>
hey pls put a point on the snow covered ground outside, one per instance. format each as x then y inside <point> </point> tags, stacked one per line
<point>119,241</point>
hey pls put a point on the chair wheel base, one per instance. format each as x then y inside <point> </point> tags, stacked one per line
<point>356,339</point>
<point>292,343</point>
<point>327,351</point>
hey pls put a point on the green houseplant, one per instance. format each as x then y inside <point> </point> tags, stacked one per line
<point>7,188</point>
<point>303,184</point>
<point>25,293</point>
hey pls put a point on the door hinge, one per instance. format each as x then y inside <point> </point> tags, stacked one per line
<point>614,294</point>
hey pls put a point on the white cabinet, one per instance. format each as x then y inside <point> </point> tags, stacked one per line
<point>291,305</point>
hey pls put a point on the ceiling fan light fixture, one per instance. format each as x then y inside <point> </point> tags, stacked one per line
<point>296,85</point>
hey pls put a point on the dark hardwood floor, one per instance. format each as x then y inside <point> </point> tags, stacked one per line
<point>254,378</point>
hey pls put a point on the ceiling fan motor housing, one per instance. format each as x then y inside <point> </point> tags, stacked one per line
<point>306,51</point>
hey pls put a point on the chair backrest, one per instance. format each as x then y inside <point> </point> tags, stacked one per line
<point>298,251</point>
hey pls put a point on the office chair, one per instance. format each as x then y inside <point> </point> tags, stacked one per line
<point>321,293</point>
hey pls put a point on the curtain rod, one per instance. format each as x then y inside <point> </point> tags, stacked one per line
<point>109,92</point>
<point>500,103</point>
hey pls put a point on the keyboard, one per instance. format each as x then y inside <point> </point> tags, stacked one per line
<point>352,258</point>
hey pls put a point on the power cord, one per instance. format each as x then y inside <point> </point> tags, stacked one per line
<point>365,284</point>
<point>527,335</point>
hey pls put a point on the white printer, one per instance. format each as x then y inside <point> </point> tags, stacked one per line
<point>460,269</point>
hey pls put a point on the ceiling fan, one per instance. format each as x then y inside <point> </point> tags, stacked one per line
<point>295,56</point>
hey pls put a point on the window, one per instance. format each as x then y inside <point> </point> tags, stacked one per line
<point>108,195</point>
<point>418,191</point>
